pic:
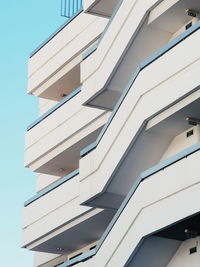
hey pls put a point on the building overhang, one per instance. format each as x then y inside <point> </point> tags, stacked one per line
<point>75,235</point>
<point>102,8</point>
<point>161,22</point>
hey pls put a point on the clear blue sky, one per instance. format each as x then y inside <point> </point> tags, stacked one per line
<point>24,25</point>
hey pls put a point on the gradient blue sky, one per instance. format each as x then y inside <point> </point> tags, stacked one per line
<point>24,25</point>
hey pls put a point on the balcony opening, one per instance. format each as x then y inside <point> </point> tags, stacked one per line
<point>171,247</point>
<point>158,28</point>
<point>155,144</point>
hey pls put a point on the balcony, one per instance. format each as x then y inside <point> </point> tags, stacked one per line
<point>177,98</point>
<point>172,193</point>
<point>53,217</point>
<point>170,184</point>
<point>54,141</point>
<point>114,61</point>
<point>54,67</point>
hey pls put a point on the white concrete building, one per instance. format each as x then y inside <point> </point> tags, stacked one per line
<point>117,143</point>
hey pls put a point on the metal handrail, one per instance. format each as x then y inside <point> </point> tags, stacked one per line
<point>51,187</point>
<point>53,109</point>
<point>70,7</point>
<point>70,19</point>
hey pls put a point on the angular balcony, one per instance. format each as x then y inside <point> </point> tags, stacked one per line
<point>54,67</point>
<point>54,222</point>
<point>171,193</point>
<point>114,61</point>
<point>102,8</point>
<point>54,141</point>
<point>170,189</point>
<point>133,132</point>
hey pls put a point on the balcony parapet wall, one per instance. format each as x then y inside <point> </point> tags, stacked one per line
<point>155,170</point>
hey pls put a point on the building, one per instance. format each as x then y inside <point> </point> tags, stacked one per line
<point>117,145</point>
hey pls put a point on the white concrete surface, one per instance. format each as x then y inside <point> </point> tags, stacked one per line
<point>147,88</point>
<point>62,48</point>
<point>53,146</point>
<point>164,198</point>
<point>53,135</point>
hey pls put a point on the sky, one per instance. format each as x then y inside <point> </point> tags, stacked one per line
<point>24,25</point>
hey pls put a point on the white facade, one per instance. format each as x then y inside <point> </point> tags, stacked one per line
<point>117,143</point>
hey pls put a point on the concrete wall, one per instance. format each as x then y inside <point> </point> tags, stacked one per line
<point>138,106</point>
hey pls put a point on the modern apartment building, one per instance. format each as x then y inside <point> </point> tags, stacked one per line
<point>117,144</point>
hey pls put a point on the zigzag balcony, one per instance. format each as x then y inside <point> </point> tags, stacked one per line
<point>103,175</point>
<point>171,193</point>
<point>170,190</point>
<point>137,129</point>
<point>105,73</point>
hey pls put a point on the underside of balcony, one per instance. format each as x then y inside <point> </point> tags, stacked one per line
<point>102,8</point>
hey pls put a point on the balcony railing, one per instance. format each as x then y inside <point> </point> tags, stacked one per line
<point>51,187</point>
<point>52,110</point>
<point>70,7</point>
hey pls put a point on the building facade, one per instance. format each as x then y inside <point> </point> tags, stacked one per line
<point>117,144</point>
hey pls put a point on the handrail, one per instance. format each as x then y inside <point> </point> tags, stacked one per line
<point>55,33</point>
<point>140,67</point>
<point>51,187</point>
<point>144,175</point>
<point>70,7</point>
<point>53,109</point>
